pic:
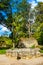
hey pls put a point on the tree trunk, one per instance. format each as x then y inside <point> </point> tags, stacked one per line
<point>13,45</point>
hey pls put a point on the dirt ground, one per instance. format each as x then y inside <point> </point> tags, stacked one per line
<point>4,60</point>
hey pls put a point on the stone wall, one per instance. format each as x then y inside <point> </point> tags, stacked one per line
<point>23,53</point>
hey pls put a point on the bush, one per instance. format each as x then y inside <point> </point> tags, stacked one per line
<point>3,51</point>
<point>41,51</point>
<point>38,34</point>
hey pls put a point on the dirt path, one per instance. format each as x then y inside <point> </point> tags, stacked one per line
<point>11,61</point>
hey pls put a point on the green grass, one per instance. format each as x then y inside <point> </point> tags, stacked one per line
<point>41,51</point>
<point>32,47</point>
<point>3,51</point>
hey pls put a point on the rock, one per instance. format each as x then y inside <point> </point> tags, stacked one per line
<point>27,42</point>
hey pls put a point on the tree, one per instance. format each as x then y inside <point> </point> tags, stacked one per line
<point>19,30</point>
<point>20,21</point>
<point>38,34</point>
<point>39,12</point>
<point>38,24</point>
<point>6,8</point>
<point>24,8</point>
<point>17,23</point>
<point>5,42</point>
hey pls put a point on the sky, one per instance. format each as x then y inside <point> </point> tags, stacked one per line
<point>5,31</point>
<point>34,2</point>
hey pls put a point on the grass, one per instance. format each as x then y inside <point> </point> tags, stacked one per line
<point>32,47</point>
<point>3,51</point>
<point>41,51</point>
<point>41,48</point>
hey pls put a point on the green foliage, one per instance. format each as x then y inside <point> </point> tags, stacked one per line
<point>32,47</point>
<point>39,12</point>
<point>18,22</point>
<point>2,51</point>
<point>24,8</point>
<point>6,7</point>
<point>38,34</point>
<point>41,51</point>
<point>5,42</point>
<point>38,25</point>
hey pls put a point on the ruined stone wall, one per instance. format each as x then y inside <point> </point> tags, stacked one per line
<point>23,53</point>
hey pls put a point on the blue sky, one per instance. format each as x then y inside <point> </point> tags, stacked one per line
<point>5,31</point>
<point>34,2</point>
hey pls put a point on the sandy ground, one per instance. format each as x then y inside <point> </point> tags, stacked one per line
<point>4,60</point>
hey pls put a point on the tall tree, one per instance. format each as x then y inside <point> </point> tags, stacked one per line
<point>24,9</point>
<point>38,24</point>
<point>17,23</point>
<point>6,8</point>
<point>21,20</point>
<point>39,12</point>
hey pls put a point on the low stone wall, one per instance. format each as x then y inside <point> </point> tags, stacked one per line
<point>23,53</point>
